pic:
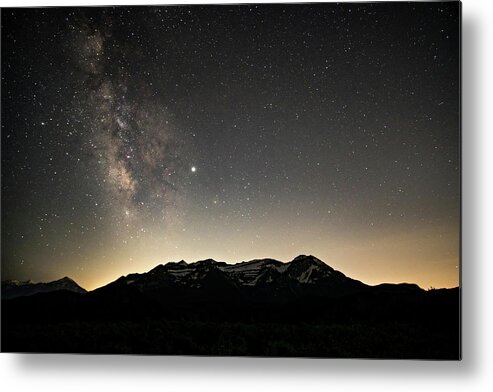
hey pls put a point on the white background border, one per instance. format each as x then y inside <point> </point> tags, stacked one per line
<point>474,373</point>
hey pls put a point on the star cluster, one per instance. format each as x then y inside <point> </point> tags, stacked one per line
<point>138,135</point>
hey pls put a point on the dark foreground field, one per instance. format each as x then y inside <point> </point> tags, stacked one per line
<point>376,324</point>
<point>163,337</point>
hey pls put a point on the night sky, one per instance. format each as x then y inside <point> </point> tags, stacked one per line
<point>137,136</point>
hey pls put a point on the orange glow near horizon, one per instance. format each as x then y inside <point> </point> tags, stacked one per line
<point>429,258</point>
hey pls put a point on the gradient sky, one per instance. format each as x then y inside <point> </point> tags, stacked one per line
<point>137,136</point>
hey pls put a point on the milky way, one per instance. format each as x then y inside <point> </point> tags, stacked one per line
<point>142,158</point>
<point>133,136</point>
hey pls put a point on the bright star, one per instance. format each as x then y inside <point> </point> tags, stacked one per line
<point>193,169</point>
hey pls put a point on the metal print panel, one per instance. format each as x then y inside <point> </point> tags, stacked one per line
<point>237,180</point>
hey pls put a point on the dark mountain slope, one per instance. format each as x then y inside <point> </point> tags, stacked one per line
<point>13,288</point>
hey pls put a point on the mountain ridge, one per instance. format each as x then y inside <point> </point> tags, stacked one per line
<point>15,288</point>
<point>305,273</point>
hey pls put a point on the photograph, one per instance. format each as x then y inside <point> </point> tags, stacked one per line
<point>246,180</point>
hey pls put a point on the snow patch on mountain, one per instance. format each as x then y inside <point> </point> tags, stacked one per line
<point>305,275</point>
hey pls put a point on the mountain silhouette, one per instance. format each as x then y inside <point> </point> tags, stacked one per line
<point>14,288</point>
<point>262,278</point>
<point>258,307</point>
